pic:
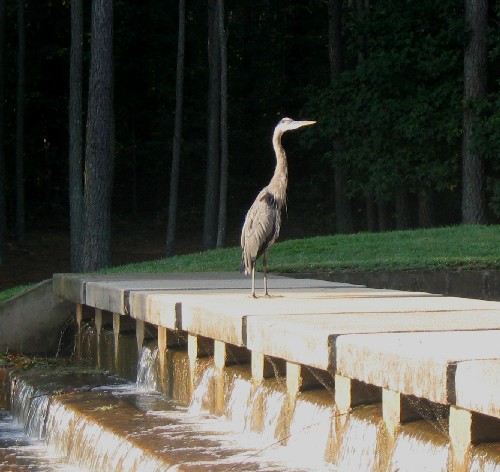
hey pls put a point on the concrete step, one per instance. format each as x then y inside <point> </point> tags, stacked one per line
<point>304,320</point>
<point>97,423</point>
<point>395,343</point>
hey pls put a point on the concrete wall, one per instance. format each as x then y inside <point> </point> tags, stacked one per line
<point>32,322</point>
<point>482,284</point>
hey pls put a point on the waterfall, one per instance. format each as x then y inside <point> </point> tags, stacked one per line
<point>231,423</point>
<point>148,377</point>
<point>87,443</point>
<point>310,430</point>
<point>421,447</point>
<point>358,447</point>
<point>203,393</point>
<point>30,407</point>
<point>266,413</point>
<point>483,458</point>
<point>237,404</point>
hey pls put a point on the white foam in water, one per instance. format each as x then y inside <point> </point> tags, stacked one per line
<point>359,446</point>
<point>249,434</point>
<point>480,462</point>
<point>237,405</point>
<point>413,453</point>
<point>268,404</point>
<point>262,442</point>
<point>95,448</point>
<point>147,369</point>
<point>310,430</point>
<point>29,406</point>
<point>26,453</point>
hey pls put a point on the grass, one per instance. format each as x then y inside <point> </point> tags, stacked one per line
<point>11,292</point>
<point>450,248</point>
<point>457,247</point>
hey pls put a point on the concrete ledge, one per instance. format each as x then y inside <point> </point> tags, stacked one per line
<point>419,364</point>
<point>31,322</point>
<point>477,386</point>
<point>224,316</point>
<point>110,292</point>
<point>406,343</point>
<point>71,287</point>
<point>483,284</point>
<point>163,310</point>
<point>310,338</point>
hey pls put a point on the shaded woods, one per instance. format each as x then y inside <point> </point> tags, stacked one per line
<point>405,95</point>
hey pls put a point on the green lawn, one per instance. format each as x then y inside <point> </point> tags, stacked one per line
<point>11,292</point>
<point>457,247</point>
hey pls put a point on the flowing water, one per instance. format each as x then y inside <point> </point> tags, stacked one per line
<point>94,421</point>
<point>84,419</point>
<point>21,452</point>
<point>421,447</point>
<point>358,444</point>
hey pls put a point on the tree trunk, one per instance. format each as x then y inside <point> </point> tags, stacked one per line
<point>76,137</point>
<point>213,152</point>
<point>3,209</point>
<point>363,8</point>
<point>403,219</point>
<point>371,214</point>
<point>224,157</point>
<point>384,223</point>
<point>343,208</point>
<point>134,187</point>
<point>475,69</point>
<point>176,153</point>
<point>98,162</point>
<point>21,52</point>
<point>426,214</point>
<point>343,211</point>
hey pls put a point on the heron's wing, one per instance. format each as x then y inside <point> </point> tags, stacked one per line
<point>261,227</point>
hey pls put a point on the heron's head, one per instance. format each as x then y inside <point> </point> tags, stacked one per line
<point>287,124</point>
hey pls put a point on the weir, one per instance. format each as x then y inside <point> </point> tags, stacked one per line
<point>321,376</point>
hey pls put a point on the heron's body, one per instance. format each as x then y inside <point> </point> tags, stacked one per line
<point>263,220</point>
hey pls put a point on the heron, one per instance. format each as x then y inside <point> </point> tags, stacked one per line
<point>263,220</point>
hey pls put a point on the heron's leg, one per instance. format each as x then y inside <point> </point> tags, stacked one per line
<point>253,280</point>
<point>264,268</point>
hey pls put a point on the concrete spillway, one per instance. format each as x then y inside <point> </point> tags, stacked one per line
<point>399,380</point>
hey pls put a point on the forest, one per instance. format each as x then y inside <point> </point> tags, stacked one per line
<point>178,130</point>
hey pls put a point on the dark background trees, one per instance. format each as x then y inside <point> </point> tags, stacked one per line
<point>390,116</point>
<point>75,136</point>
<point>3,214</point>
<point>99,146</point>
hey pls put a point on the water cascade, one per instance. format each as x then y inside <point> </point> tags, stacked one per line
<point>421,446</point>
<point>92,420</point>
<point>358,445</point>
<point>313,426</point>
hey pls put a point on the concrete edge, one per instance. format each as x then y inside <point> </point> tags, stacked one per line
<point>32,321</point>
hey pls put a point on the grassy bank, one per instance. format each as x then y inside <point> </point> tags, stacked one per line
<point>12,292</point>
<point>458,248</point>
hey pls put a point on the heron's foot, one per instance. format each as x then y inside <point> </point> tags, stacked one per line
<point>267,295</point>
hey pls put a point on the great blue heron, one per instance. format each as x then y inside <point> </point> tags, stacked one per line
<point>263,220</point>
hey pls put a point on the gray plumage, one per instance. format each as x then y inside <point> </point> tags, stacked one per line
<point>263,220</point>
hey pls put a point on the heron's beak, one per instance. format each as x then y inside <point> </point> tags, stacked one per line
<point>299,124</point>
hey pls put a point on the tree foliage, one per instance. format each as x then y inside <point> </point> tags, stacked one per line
<point>397,105</point>
<point>399,108</point>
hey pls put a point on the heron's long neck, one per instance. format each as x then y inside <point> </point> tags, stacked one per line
<point>279,181</point>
